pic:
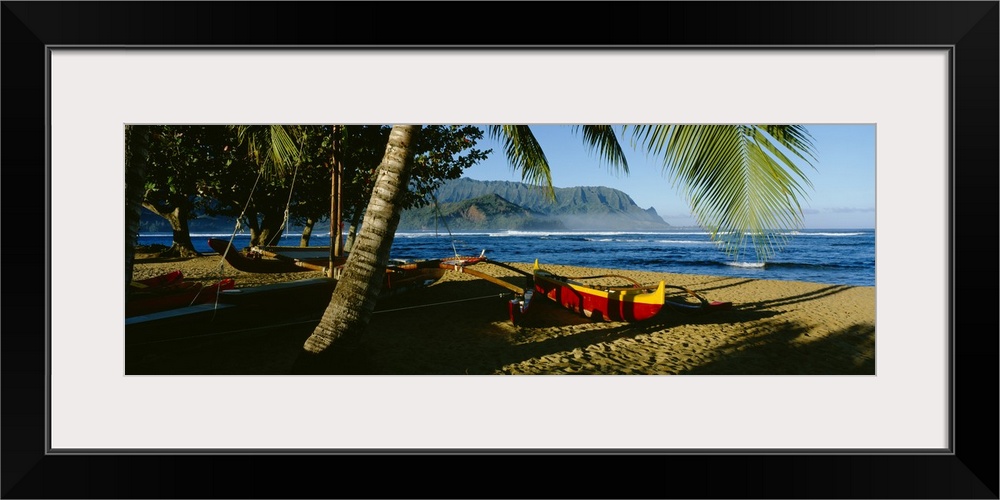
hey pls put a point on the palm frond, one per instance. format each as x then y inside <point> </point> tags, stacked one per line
<point>283,150</point>
<point>740,183</point>
<point>602,139</point>
<point>525,155</point>
<point>795,138</point>
<point>271,147</point>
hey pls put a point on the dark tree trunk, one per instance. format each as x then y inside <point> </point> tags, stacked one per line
<point>332,346</point>
<point>254,227</point>
<point>352,231</point>
<point>136,151</point>
<point>182,245</point>
<point>270,229</point>
<point>336,219</point>
<point>178,219</point>
<point>307,232</point>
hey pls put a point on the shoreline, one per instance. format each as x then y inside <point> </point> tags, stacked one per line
<point>823,256</point>
<point>460,326</point>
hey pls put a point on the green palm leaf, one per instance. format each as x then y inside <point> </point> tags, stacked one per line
<point>272,147</point>
<point>525,155</point>
<point>739,179</point>
<point>602,139</point>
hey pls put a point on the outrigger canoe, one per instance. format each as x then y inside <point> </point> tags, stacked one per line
<point>162,280</point>
<point>399,275</point>
<point>299,259</point>
<point>633,302</point>
<point>265,261</point>
<point>173,296</point>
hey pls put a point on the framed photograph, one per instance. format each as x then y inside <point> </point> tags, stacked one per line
<point>922,74</point>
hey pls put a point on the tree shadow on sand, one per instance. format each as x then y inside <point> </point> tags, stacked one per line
<point>598,334</point>
<point>782,351</point>
<point>452,328</point>
<point>725,283</point>
<point>462,327</point>
<point>797,299</point>
<point>784,347</point>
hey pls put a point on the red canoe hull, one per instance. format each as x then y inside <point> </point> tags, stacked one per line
<point>167,279</point>
<point>593,305</point>
<point>182,294</point>
<point>634,303</point>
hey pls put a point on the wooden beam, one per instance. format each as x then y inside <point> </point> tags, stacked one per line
<point>491,279</point>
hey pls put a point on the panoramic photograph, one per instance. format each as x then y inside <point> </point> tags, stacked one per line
<point>491,249</point>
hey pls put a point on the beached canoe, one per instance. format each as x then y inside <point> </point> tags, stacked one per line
<point>300,259</point>
<point>162,280</point>
<point>401,276</point>
<point>267,261</point>
<point>631,302</point>
<point>180,294</point>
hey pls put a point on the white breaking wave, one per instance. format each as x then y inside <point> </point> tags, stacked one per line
<point>615,240</point>
<point>589,233</point>
<point>751,265</point>
<point>829,234</point>
<point>686,242</point>
<point>432,234</point>
<point>215,235</point>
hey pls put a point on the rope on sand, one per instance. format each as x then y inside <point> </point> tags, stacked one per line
<point>227,332</point>
<point>313,321</point>
<point>442,303</point>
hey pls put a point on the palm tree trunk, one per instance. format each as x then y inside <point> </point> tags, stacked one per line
<point>353,301</point>
<point>136,151</point>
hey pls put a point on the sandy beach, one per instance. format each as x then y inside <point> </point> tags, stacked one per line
<point>460,326</point>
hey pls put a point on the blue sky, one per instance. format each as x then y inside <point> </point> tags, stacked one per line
<point>842,195</point>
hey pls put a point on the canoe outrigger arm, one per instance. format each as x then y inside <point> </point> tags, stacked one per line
<point>313,267</point>
<point>492,279</point>
<point>461,267</point>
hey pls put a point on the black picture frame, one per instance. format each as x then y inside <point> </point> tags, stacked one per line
<point>970,29</point>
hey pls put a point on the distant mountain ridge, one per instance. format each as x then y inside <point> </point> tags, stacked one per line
<point>486,212</point>
<point>468,204</point>
<point>497,205</point>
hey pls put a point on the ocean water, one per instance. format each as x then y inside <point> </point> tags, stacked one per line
<point>830,256</point>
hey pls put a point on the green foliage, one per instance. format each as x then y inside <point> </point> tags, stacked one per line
<point>271,147</point>
<point>743,182</point>
<point>362,149</point>
<point>310,194</point>
<point>602,139</point>
<point>181,163</point>
<point>256,172</point>
<point>740,180</point>
<point>525,154</point>
<point>441,152</point>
